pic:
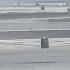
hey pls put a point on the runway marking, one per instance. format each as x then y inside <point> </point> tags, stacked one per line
<point>34,19</point>
<point>34,30</point>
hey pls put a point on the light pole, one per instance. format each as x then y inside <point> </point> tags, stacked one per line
<point>18,3</point>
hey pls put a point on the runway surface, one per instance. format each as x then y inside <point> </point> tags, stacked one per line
<point>18,15</point>
<point>22,54</point>
<point>34,34</point>
<point>20,42</point>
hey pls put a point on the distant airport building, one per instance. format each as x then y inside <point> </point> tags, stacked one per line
<point>55,4</point>
<point>37,3</point>
<point>46,4</point>
<point>38,6</point>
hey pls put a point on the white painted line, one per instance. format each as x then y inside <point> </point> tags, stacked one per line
<point>34,30</point>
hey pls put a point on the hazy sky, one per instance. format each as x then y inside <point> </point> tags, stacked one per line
<point>30,0</point>
<point>25,1</point>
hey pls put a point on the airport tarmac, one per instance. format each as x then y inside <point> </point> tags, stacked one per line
<point>18,53</point>
<point>18,15</point>
<point>33,28</point>
<point>22,54</point>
